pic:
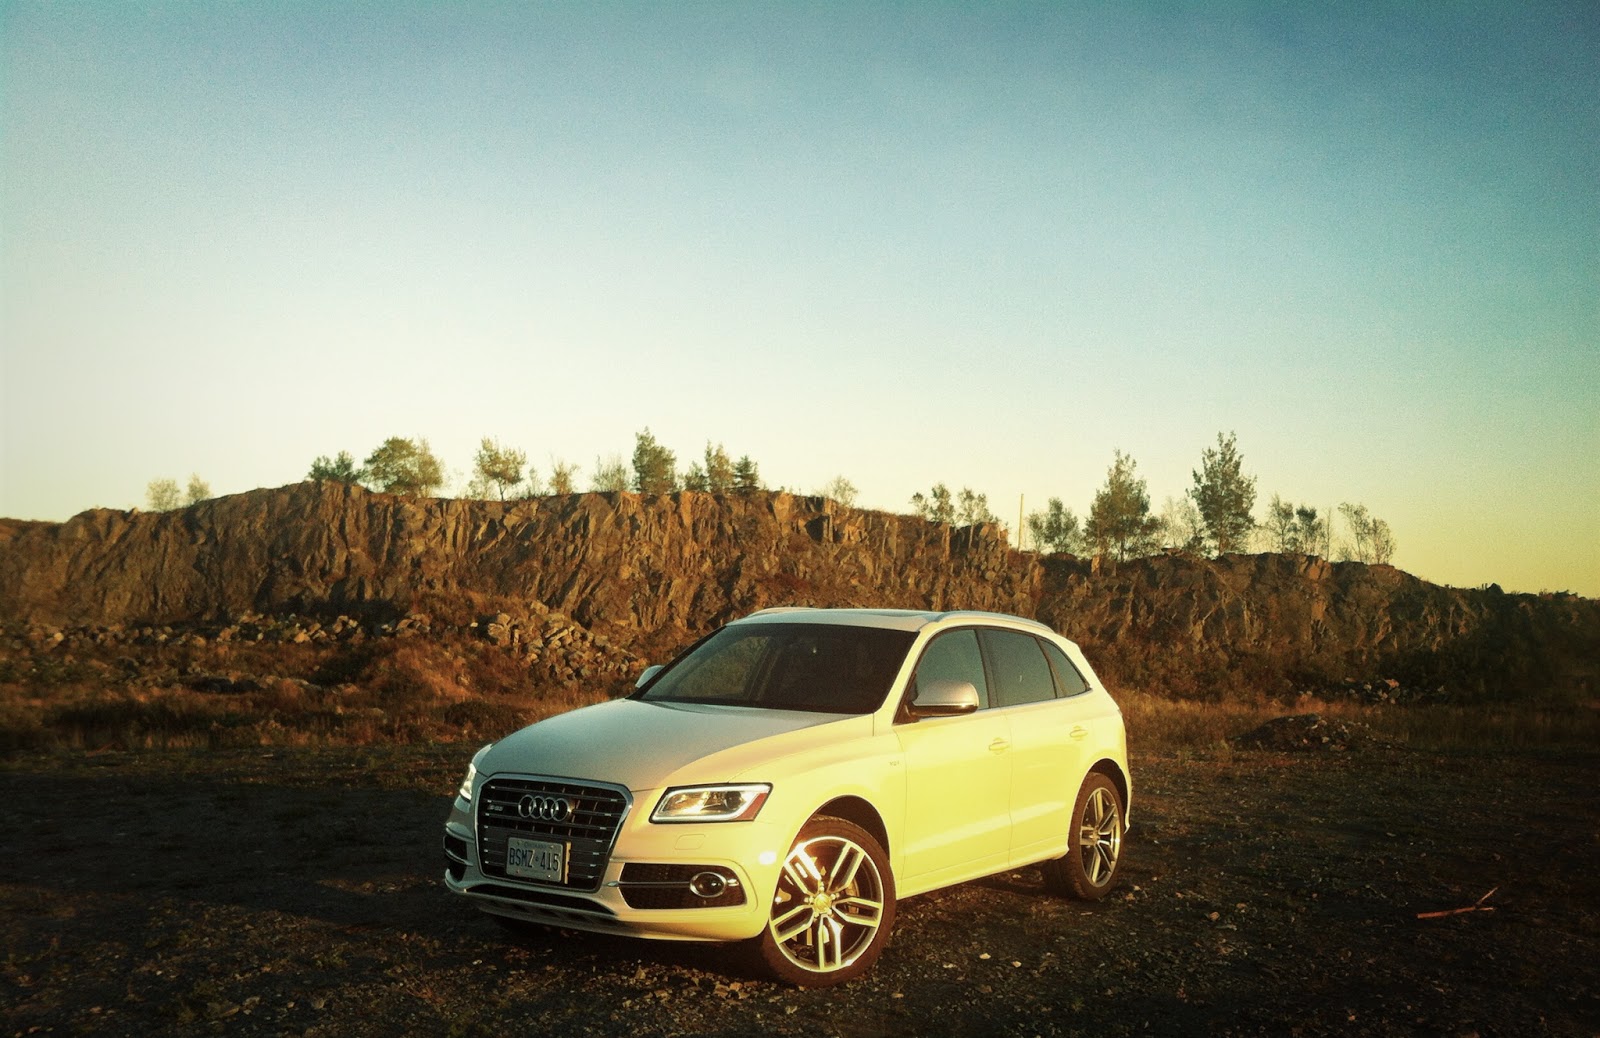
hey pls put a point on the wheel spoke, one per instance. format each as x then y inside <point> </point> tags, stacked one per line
<point>830,943</point>
<point>792,924</point>
<point>1099,864</point>
<point>846,867</point>
<point>802,871</point>
<point>1099,808</point>
<point>867,912</point>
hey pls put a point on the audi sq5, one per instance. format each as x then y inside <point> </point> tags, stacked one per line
<point>790,776</point>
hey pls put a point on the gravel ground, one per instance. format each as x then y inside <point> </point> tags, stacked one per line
<point>297,892</point>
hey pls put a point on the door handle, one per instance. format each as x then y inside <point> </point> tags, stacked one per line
<point>1078,732</point>
<point>999,745</point>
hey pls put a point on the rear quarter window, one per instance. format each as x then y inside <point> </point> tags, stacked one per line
<point>1069,680</point>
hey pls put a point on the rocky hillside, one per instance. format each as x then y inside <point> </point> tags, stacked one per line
<point>646,574</point>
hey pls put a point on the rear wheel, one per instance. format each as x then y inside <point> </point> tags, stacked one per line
<point>833,908</point>
<point>1089,868</point>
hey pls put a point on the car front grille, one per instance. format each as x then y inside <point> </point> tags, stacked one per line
<point>587,825</point>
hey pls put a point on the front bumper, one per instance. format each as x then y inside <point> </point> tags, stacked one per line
<point>690,882</point>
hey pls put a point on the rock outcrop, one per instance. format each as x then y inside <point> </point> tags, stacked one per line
<point>647,573</point>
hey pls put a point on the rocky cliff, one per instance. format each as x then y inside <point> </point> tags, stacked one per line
<point>648,573</point>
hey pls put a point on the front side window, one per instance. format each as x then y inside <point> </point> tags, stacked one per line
<point>821,668</point>
<point>952,656</point>
<point>1017,663</point>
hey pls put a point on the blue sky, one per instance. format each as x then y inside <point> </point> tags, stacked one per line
<point>906,243</point>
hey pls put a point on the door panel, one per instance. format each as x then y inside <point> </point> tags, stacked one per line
<point>958,783</point>
<point>958,776</point>
<point>1047,767</point>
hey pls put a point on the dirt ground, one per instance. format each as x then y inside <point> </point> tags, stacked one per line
<point>297,892</point>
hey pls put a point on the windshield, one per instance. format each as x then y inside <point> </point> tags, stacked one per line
<point>821,668</point>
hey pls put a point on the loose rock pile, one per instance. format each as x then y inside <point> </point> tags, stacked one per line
<point>557,648</point>
<point>1388,690</point>
<point>247,627</point>
<point>1304,733</point>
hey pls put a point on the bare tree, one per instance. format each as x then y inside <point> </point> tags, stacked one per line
<point>1182,528</point>
<point>197,491</point>
<point>1383,543</point>
<point>1371,540</point>
<point>162,495</point>
<point>563,476</point>
<point>610,475</point>
<point>841,490</point>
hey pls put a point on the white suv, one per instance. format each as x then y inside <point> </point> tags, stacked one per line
<point>793,773</point>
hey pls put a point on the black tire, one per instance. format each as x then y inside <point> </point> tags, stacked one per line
<point>1089,868</point>
<point>833,908</point>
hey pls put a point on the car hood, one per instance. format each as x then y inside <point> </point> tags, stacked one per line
<point>643,745</point>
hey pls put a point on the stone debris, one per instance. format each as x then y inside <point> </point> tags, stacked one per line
<point>1304,733</point>
<point>555,648</point>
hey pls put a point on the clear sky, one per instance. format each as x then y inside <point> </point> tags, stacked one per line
<point>986,245</point>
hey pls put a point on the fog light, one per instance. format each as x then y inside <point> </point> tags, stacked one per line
<point>707,885</point>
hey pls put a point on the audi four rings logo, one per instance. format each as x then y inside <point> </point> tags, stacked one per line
<point>545,809</point>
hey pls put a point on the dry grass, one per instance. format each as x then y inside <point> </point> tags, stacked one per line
<point>425,690</point>
<point>393,693</point>
<point>1157,724</point>
<point>282,715</point>
<point>411,703</point>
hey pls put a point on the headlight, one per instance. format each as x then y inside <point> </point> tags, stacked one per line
<point>465,792</point>
<point>711,803</point>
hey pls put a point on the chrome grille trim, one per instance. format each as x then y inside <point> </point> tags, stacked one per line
<point>589,834</point>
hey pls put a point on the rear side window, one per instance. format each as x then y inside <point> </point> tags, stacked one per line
<point>1017,664</point>
<point>1068,680</point>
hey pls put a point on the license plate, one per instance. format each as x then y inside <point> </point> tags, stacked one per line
<point>536,859</point>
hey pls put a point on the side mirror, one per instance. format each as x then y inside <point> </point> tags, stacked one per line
<point>649,672</point>
<point>944,698</point>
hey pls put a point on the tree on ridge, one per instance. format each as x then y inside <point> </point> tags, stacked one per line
<point>500,467</point>
<point>1225,496</point>
<point>655,469</point>
<point>402,466</point>
<point>1120,523</point>
<point>342,469</point>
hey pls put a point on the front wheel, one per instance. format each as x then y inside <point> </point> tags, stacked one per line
<point>833,908</point>
<point>1094,846</point>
